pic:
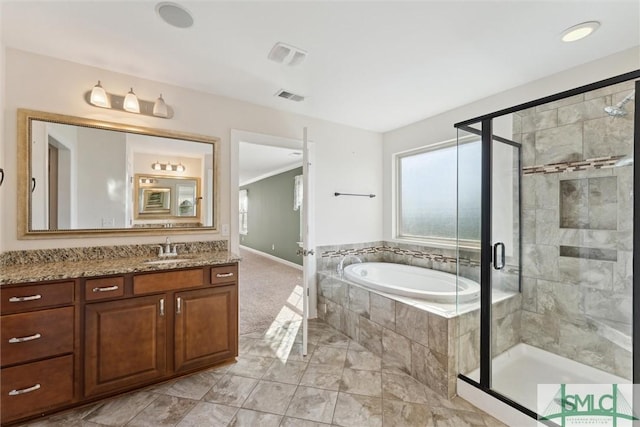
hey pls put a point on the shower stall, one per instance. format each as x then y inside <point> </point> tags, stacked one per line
<point>555,210</point>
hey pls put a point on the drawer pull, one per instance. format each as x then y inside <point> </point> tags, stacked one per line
<point>220,275</point>
<point>162,307</point>
<point>24,339</point>
<point>106,289</point>
<point>179,305</point>
<point>24,390</point>
<point>22,299</point>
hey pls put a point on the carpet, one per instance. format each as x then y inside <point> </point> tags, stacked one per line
<point>268,290</point>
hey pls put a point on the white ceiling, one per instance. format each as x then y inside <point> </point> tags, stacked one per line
<point>258,161</point>
<point>374,65</point>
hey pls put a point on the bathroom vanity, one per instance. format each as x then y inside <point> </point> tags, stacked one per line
<point>96,333</point>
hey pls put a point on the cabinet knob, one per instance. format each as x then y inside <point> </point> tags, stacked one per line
<point>24,339</point>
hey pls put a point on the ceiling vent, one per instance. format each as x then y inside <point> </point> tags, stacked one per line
<point>290,96</point>
<point>286,54</point>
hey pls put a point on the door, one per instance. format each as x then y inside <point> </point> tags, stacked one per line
<point>308,238</point>
<point>125,343</point>
<point>205,326</point>
<point>53,187</point>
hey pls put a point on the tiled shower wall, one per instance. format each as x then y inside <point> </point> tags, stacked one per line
<point>577,229</point>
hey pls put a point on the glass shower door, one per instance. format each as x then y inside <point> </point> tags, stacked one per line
<point>505,267</point>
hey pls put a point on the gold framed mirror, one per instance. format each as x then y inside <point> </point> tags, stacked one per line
<point>81,177</point>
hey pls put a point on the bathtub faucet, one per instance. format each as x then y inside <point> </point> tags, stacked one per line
<point>343,259</point>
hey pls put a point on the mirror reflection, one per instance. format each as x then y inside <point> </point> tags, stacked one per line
<point>161,197</point>
<point>96,178</point>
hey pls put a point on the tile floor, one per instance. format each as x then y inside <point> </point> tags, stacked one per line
<point>339,383</point>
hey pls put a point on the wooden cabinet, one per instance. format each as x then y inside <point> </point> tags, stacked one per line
<point>165,324</point>
<point>125,343</point>
<point>205,326</point>
<point>38,350</point>
<point>121,332</point>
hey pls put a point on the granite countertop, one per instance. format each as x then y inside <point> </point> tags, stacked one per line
<point>36,272</point>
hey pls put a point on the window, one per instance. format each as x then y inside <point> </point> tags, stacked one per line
<point>244,209</point>
<point>430,197</point>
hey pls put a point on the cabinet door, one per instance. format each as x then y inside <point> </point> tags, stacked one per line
<point>206,326</point>
<point>125,343</point>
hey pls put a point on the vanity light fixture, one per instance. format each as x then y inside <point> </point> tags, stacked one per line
<point>157,166</point>
<point>580,31</point>
<point>98,97</point>
<point>147,180</point>
<point>131,103</point>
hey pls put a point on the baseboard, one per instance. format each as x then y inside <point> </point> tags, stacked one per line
<point>271,257</point>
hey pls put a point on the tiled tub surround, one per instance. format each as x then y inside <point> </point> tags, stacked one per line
<point>52,264</point>
<point>577,230</point>
<point>413,337</point>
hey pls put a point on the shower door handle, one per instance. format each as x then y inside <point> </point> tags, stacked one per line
<point>496,265</point>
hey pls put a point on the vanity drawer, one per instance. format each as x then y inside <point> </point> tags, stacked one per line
<point>106,287</point>
<point>35,387</point>
<point>35,335</point>
<point>23,298</point>
<point>167,281</point>
<point>224,274</point>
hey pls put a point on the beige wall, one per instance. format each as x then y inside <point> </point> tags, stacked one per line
<point>440,128</point>
<point>346,158</point>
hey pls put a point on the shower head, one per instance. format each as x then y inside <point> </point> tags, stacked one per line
<point>618,109</point>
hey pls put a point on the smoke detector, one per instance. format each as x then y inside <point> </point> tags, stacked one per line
<point>290,96</point>
<point>283,53</point>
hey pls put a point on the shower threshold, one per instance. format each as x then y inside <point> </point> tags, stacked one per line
<point>518,371</point>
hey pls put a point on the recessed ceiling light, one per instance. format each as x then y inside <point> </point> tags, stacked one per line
<point>174,14</point>
<point>579,31</point>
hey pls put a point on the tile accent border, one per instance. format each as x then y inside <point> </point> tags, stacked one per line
<point>391,250</point>
<point>575,166</point>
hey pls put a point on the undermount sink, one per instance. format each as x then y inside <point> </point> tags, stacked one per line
<point>166,261</point>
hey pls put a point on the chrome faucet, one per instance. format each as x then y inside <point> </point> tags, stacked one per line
<point>343,259</point>
<point>165,250</point>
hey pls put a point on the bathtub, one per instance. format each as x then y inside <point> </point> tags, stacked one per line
<point>413,282</point>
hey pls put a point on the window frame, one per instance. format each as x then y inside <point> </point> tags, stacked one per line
<point>432,241</point>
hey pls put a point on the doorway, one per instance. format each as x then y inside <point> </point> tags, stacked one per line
<point>267,230</point>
